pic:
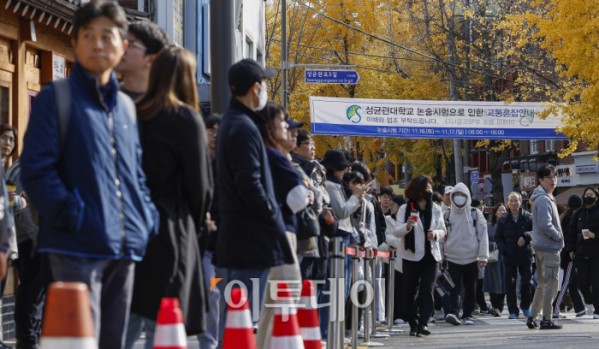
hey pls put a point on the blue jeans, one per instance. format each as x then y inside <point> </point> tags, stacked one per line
<point>324,296</point>
<point>211,338</point>
<point>137,324</point>
<point>244,276</point>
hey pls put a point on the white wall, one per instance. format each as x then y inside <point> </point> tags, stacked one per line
<point>252,26</point>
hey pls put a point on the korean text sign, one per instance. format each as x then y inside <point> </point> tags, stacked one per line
<point>431,119</point>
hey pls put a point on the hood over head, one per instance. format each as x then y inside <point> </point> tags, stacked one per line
<point>460,188</point>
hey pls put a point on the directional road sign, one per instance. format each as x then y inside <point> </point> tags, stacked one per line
<point>331,76</point>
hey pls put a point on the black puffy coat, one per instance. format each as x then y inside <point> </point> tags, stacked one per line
<point>584,218</point>
<point>507,234</point>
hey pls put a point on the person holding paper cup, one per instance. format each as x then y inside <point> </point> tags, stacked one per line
<point>420,226</point>
<point>583,246</point>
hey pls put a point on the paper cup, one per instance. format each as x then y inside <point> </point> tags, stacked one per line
<point>415,216</point>
<point>584,231</point>
<point>11,187</point>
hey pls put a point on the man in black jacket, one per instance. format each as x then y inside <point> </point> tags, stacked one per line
<point>252,235</point>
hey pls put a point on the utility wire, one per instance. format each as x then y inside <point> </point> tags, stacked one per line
<point>400,46</point>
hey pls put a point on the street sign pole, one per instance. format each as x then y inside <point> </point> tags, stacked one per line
<point>284,53</point>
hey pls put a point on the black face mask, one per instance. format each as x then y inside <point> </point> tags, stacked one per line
<point>589,200</point>
<point>427,195</point>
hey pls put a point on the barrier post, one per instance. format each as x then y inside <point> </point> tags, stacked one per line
<point>336,271</point>
<point>341,297</point>
<point>368,276</point>
<point>391,294</point>
<point>374,333</point>
<point>355,321</point>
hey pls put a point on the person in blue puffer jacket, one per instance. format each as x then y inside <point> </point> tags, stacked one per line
<point>95,211</point>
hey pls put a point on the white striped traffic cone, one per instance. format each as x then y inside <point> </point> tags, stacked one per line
<point>170,329</point>
<point>307,315</point>
<point>239,329</point>
<point>68,318</point>
<point>285,330</point>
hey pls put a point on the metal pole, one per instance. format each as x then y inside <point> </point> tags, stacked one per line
<point>284,54</point>
<point>355,322</point>
<point>341,299</point>
<point>368,277</point>
<point>337,294</point>
<point>467,162</point>
<point>391,294</point>
<point>222,53</point>
<point>375,333</point>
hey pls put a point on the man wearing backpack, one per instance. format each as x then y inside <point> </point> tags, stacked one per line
<point>86,180</point>
<point>466,250</point>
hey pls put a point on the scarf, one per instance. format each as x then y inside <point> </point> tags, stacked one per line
<point>410,237</point>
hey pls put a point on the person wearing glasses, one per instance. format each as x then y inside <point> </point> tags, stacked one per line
<point>146,40</point>
<point>547,242</point>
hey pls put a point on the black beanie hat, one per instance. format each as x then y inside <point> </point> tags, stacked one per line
<point>574,202</point>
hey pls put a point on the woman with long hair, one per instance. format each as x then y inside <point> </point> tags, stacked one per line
<point>495,271</point>
<point>420,224</point>
<point>583,247</point>
<point>292,196</point>
<point>177,165</point>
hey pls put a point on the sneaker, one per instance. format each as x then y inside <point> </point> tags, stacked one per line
<point>432,320</point>
<point>531,323</point>
<point>513,316</point>
<point>495,313</point>
<point>485,312</point>
<point>581,313</point>
<point>439,314</point>
<point>347,340</point>
<point>399,322</point>
<point>559,316</point>
<point>590,309</point>
<point>476,310</point>
<point>452,319</point>
<point>595,316</point>
<point>549,325</point>
<point>468,321</point>
<point>526,312</point>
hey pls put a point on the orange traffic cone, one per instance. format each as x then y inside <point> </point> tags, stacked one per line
<point>239,329</point>
<point>170,329</point>
<point>285,330</point>
<point>68,317</point>
<point>307,315</point>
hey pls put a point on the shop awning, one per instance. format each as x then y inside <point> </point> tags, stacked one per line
<point>563,197</point>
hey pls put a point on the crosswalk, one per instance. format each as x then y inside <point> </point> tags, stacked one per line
<point>504,321</point>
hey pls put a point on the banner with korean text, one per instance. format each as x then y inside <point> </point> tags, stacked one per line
<point>430,119</point>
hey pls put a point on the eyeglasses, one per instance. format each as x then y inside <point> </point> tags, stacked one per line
<point>136,44</point>
<point>8,139</point>
<point>308,143</point>
<point>211,131</point>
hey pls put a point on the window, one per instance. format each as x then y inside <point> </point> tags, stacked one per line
<point>534,147</point>
<point>259,57</point>
<point>249,48</point>
<point>550,145</point>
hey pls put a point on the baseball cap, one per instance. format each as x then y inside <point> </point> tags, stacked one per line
<point>245,73</point>
<point>447,190</point>
<point>294,124</point>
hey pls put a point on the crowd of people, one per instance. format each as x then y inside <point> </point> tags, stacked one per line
<point>132,192</point>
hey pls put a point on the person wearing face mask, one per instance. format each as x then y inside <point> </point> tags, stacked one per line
<point>582,243</point>
<point>420,226</point>
<point>467,249</point>
<point>247,194</point>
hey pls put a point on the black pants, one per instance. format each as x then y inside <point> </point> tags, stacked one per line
<point>399,310</point>
<point>511,281</point>
<point>480,295</point>
<point>31,295</point>
<point>497,301</point>
<point>420,281</point>
<point>464,278</point>
<point>587,273</point>
<point>573,291</point>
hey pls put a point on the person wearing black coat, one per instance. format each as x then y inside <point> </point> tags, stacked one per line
<point>574,203</point>
<point>513,236</point>
<point>582,243</point>
<point>177,165</point>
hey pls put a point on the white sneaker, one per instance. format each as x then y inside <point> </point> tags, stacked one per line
<point>399,322</point>
<point>590,309</point>
<point>347,340</point>
<point>595,316</point>
<point>468,321</point>
<point>452,319</point>
<point>439,314</point>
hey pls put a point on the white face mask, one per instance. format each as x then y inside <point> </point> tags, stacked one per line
<point>262,97</point>
<point>459,200</point>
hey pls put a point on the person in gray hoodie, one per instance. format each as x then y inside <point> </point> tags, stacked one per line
<point>547,241</point>
<point>467,249</point>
